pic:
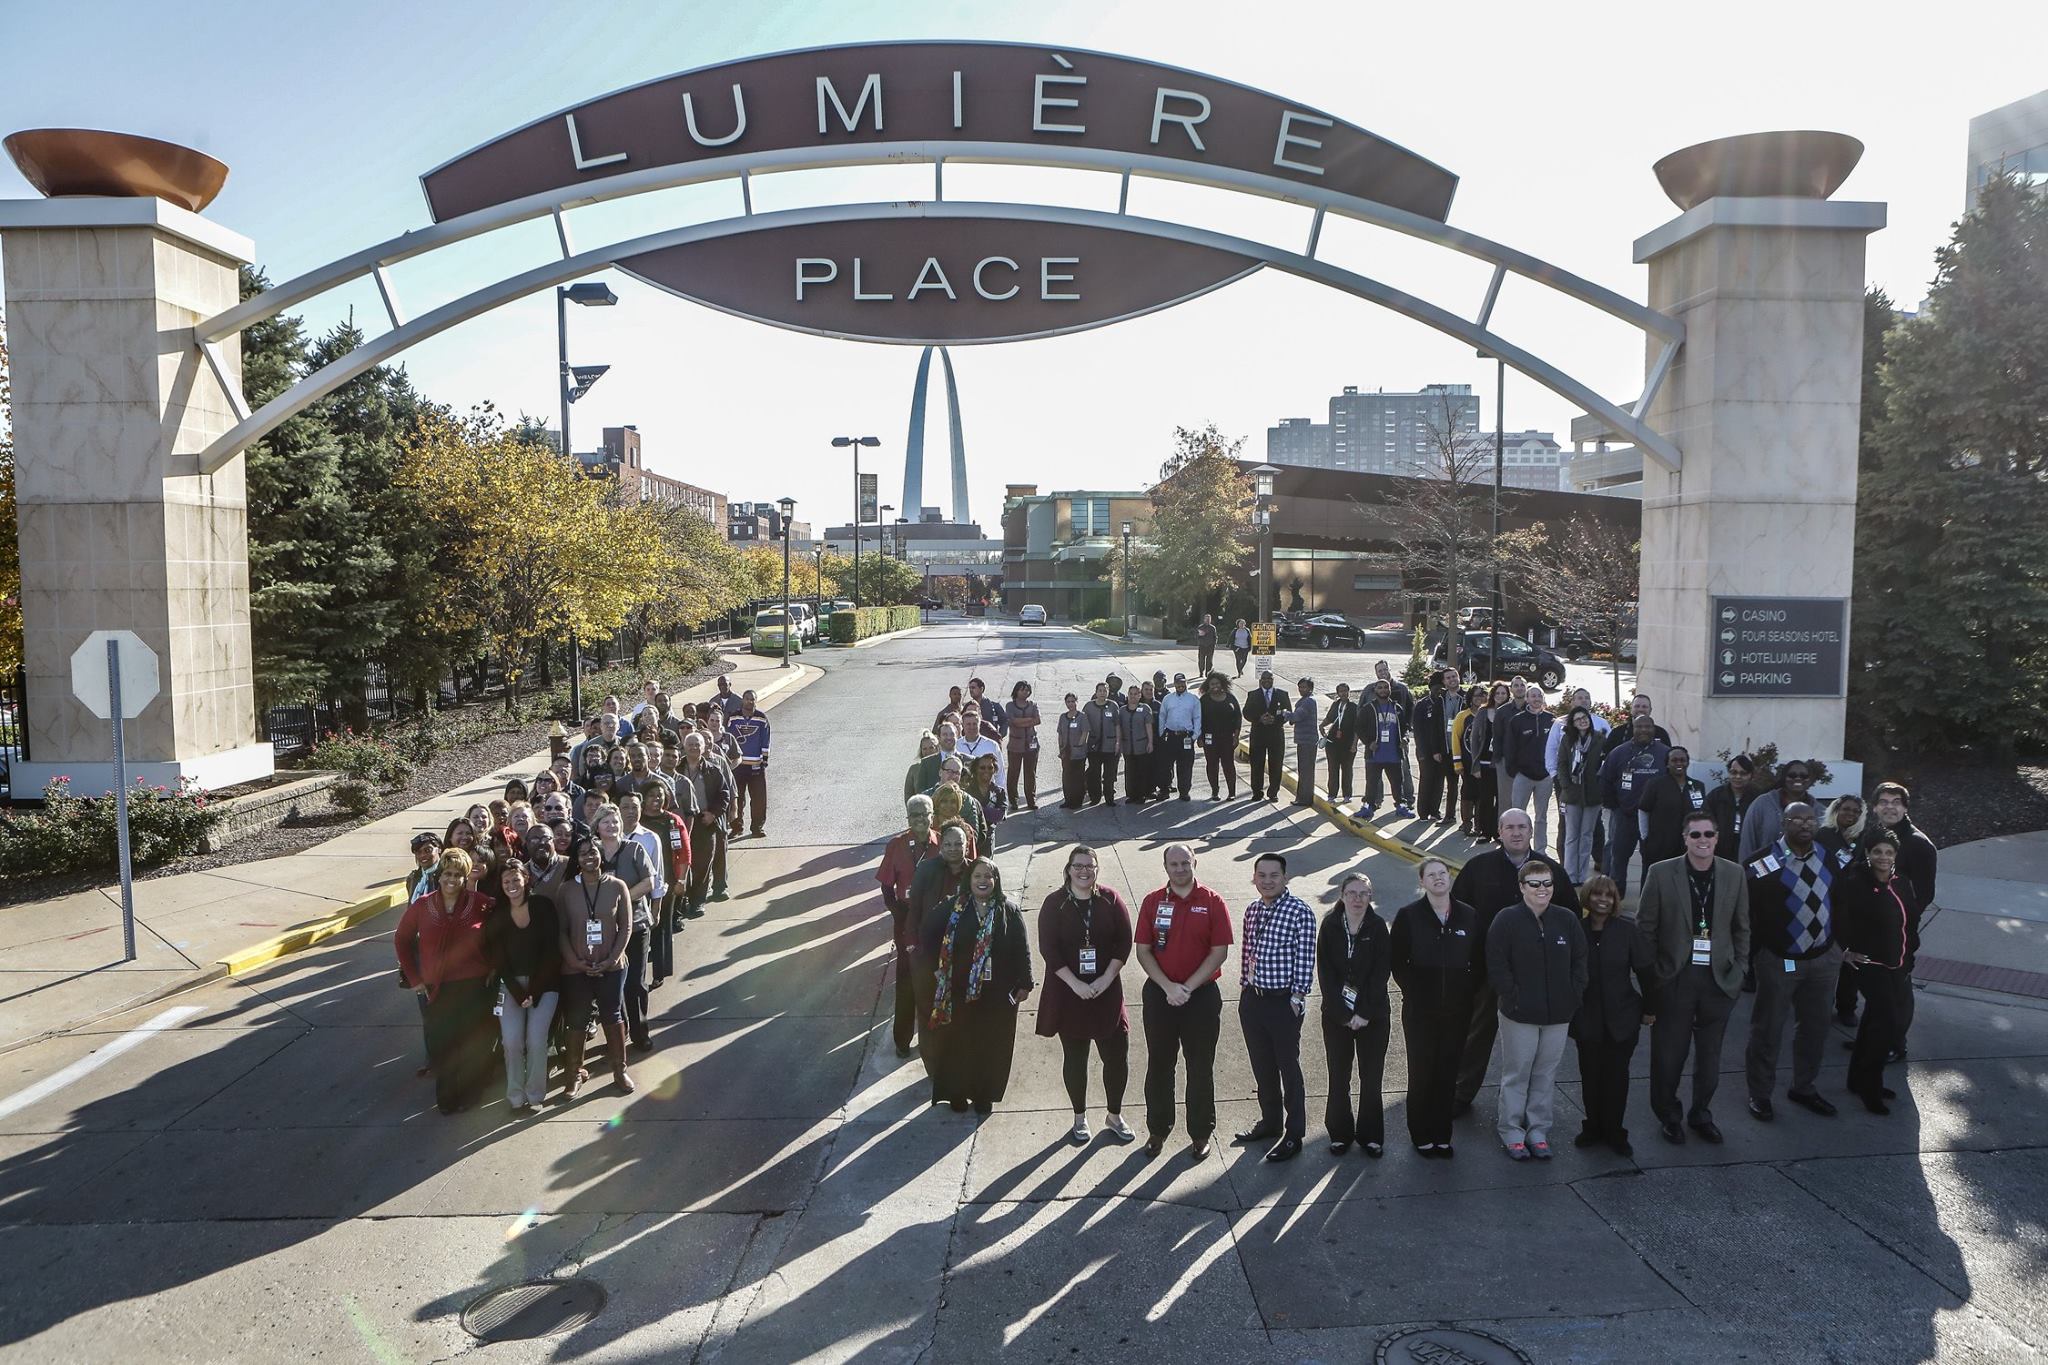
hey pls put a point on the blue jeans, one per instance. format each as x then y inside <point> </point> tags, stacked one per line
<point>524,1030</point>
<point>1624,832</point>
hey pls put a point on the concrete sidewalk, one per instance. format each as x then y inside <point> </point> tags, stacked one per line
<point>61,960</point>
<point>1989,930</point>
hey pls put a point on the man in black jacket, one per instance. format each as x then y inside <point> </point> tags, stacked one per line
<point>1489,883</point>
<point>1797,962</point>
<point>1266,712</point>
<point>1528,742</point>
<point>1340,728</point>
<point>1439,777</point>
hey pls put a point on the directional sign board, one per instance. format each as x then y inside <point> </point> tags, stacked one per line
<point>139,680</point>
<point>1778,647</point>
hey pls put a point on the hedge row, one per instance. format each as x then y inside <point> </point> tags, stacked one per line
<point>862,622</point>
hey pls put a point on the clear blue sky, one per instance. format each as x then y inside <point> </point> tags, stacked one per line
<point>328,114</point>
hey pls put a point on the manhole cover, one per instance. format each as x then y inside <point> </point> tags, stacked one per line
<point>1447,1346</point>
<point>533,1308</point>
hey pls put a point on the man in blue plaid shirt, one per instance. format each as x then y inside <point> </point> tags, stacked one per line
<point>1279,970</point>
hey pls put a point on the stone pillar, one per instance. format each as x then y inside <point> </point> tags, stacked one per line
<point>1763,402</point>
<point>119,529</point>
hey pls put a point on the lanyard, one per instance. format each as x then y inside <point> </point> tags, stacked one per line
<point>1087,919</point>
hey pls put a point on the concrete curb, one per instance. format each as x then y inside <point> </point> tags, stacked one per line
<point>1133,642</point>
<point>1371,834</point>
<point>885,635</point>
<point>303,936</point>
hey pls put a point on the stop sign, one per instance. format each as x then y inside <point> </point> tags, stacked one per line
<point>138,667</point>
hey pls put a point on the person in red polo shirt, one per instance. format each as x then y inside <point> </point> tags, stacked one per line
<point>1183,935</point>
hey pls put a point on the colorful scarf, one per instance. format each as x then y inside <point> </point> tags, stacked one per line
<point>943,999</point>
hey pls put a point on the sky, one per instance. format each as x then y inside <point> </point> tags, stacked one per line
<point>1550,115</point>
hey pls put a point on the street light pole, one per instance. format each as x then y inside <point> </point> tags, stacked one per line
<point>1262,487</point>
<point>856,442</point>
<point>788,506</point>
<point>1500,437</point>
<point>590,294</point>
<point>1127,580</point>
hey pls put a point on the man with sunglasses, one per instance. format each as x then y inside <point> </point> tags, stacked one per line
<point>1695,917</point>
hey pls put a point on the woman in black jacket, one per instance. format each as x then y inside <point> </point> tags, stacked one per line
<point>982,959</point>
<point>1877,922</point>
<point>1351,972</point>
<point>1611,1017</point>
<point>1222,718</point>
<point>1434,953</point>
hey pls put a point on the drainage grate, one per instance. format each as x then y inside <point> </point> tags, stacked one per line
<point>533,1308</point>
<point>1447,1346</point>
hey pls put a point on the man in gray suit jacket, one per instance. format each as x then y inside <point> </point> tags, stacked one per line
<point>1695,916</point>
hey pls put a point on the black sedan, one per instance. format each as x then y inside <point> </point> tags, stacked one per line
<point>1516,656</point>
<point>1324,630</point>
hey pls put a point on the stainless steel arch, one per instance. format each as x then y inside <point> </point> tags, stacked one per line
<point>408,332</point>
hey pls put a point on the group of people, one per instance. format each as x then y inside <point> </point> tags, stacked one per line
<point>539,920</point>
<point>1748,886</point>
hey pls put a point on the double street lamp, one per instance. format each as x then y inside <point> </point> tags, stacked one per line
<point>1262,486</point>
<point>575,382</point>
<point>788,509</point>
<point>856,442</point>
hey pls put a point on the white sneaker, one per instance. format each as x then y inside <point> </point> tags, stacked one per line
<point>1080,1134</point>
<point>1118,1129</point>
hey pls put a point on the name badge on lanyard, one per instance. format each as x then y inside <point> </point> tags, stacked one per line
<point>1698,799</point>
<point>1088,964</point>
<point>1351,998</point>
<point>1702,952</point>
<point>1162,921</point>
<point>1386,732</point>
<point>593,933</point>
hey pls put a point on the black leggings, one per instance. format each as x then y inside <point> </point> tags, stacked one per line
<point>1115,1051</point>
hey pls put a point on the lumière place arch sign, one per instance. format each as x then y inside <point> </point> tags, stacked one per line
<point>922,278</point>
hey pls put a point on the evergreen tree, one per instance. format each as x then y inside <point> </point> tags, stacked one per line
<point>1951,612</point>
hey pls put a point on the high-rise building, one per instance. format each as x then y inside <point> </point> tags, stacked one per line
<point>1378,432</point>
<point>1529,459</point>
<point>2010,140</point>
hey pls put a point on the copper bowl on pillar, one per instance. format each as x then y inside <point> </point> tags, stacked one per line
<point>88,161</point>
<point>1786,165</point>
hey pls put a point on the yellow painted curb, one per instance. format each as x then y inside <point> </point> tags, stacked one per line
<point>1386,843</point>
<point>302,936</point>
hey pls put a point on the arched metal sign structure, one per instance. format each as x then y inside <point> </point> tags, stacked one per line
<point>938,272</point>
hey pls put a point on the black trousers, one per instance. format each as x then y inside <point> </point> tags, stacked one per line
<point>636,985</point>
<point>1431,778</point>
<point>750,784</point>
<point>1177,765</point>
<point>1845,990</point>
<point>1115,1052</point>
<point>1102,778</point>
<point>1173,1032</point>
<point>1885,995</point>
<point>1024,769</point>
<point>1365,1051</point>
<point>1272,1037</point>
<point>1603,1074</point>
<point>1435,1034</point>
<point>906,1002</point>
<point>460,1029</point>
<point>1341,759</point>
<point>1396,778</point>
<point>1205,659</point>
<point>1073,782</point>
<point>1138,771</point>
<point>1222,751</point>
<point>1481,1028</point>
<point>1242,655</point>
<point>1269,744</point>
<point>1692,1017</point>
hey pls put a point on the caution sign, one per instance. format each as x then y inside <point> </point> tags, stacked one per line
<point>1778,647</point>
<point>1265,639</point>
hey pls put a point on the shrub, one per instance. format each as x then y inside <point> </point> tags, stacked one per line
<point>77,833</point>
<point>353,796</point>
<point>1416,674</point>
<point>363,758</point>
<point>849,626</point>
<point>1102,625</point>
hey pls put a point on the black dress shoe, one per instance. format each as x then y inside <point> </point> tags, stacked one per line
<point>1153,1144</point>
<point>1897,1054</point>
<point>1461,1108</point>
<point>1286,1149</point>
<point>1258,1132</point>
<point>1621,1146</point>
<point>1761,1111</point>
<point>1706,1129</point>
<point>1809,1100</point>
<point>1673,1133</point>
<point>1586,1138</point>
<point>1339,1148</point>
<point>1889,1093</point>
<point>902,1049</point>
<point>1875,1104</point>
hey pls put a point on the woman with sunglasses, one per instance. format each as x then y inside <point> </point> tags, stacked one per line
<point>1536,963</point>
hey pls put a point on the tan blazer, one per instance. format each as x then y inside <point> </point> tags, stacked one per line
<point>1665,919</point>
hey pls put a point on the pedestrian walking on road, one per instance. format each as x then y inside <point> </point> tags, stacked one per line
<point>1435,955</point>
<point>523,948</point>
<point>1278,977</point>
<point>1084,934</point>
<point>440,943</point>
<point>1205,645</point>
<point>1612,1014</point>
<point>982,973</point>
<point>1352,961</point>
<point>1241,644</point>
<point>1536,964</point>
<point>1183,937</point>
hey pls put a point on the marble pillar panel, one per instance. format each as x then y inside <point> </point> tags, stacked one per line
<point>118,529</point>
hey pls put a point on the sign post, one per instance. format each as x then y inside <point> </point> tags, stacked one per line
<point>1265,643</point>
<point>1779,647</point>
<point>129,682</point>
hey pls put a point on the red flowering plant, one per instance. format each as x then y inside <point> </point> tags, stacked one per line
<point>72,833</point>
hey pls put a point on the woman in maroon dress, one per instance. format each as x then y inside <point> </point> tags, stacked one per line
<point>1084,933</point>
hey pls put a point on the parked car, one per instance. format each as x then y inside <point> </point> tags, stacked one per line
<point>1516,656</point>
<point>1324,630</point>
<point>1031,614</point>
<point>772,634</point>
<point>806,622</point>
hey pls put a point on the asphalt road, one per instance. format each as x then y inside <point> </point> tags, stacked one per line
<point>252,1172</point>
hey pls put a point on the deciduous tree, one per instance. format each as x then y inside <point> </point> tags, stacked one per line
<point>1201,523</point>
<point>1440,518</point>
<point>1584,575</point>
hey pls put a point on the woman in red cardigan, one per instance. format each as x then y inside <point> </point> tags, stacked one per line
<point>440,942</point>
